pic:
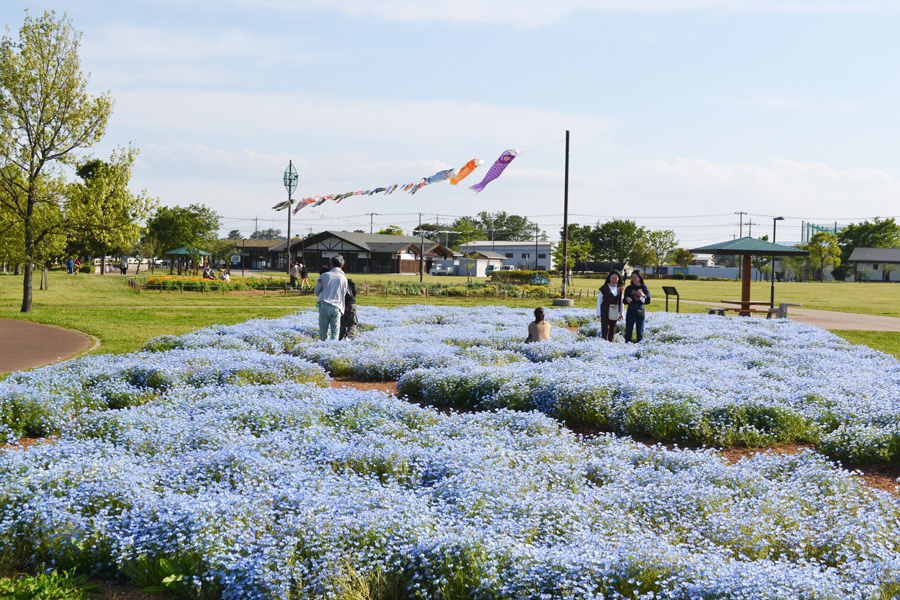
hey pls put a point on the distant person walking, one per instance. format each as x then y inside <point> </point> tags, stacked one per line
<point>331,289</point>
<point>539,329</point>
<point>295,273</point>
<point>636,296</point>
<point>349,320</point>
<point>123,266</point>
<point>610,306</point>
<point>304,276</point>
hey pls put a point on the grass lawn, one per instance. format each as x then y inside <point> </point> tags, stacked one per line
<point>123,320</point>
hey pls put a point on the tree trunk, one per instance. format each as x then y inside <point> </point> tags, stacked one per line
<point>29,257</point>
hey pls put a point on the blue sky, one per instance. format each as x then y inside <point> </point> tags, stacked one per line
<point>682,112</point>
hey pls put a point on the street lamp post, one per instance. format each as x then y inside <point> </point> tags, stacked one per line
<point>290,184</point>
<point>772,297</point>
<point>612,248</point>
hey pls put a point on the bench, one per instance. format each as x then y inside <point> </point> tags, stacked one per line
<point>783,309</point>
<point>721,310</point>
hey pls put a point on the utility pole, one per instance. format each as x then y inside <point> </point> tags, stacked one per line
<point>741,217</point>
<point>536,235</point>
<point>422,252</point>
<point>565,265</point>
<point>371,221</point>
<point>750,228</point>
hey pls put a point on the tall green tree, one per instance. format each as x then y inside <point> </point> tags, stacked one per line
<point>880,233</point>
<point>175,226</point>
<point>103,213</point>
<point>683,258</point>
<point>823,252</point>
<point>235,234</point>
<point>660,243</point>
<point>618,237</point>
<point>47,118</point>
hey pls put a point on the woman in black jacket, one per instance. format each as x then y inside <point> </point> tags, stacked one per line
<point>636,296</point>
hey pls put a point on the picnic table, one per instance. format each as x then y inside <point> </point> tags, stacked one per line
<point>744,308</point>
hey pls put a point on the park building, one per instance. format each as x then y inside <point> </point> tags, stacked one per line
<point>536,256</point>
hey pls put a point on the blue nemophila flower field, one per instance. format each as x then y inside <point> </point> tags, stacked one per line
<point>216,464</point>
<point>293,491</point>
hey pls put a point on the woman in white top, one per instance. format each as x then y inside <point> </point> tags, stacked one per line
<point>610,306</point>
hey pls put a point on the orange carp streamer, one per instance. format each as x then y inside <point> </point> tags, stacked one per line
<point>468,168</point>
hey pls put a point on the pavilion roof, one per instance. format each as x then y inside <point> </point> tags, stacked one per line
<point>751,246</point>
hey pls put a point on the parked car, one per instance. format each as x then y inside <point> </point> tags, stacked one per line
<point>439,270</point>
<point>506,268</point>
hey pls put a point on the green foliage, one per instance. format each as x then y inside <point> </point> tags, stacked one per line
<point>521,277</point>
<point>181,575</point>
<point>46,118</point>
<point>391,230</point>
<point>823,252</point>
<point>46,586</point>
<point>175,227</point>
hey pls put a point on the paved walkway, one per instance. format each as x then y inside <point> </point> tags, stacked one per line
<point>830,319</point>
<point>24,345</point>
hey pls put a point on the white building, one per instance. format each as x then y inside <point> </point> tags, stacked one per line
<point>521,255</point>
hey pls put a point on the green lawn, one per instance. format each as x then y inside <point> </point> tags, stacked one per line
<point>122,319</point>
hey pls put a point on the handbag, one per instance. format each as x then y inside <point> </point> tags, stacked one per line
<point>613,312</point>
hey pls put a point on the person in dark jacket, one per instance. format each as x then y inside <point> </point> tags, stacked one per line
<point>610,298</point>
<point>636,296</point>
<point>348,319</point>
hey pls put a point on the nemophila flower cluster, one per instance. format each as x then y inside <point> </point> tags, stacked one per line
<point>215,464</point>
<point>293,491</point>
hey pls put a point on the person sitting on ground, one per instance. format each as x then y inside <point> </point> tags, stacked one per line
<point>224,276</point>
<point>539,329</point>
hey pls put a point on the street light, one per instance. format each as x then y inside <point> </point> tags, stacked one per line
<point>612,248</point>
<point>290,184</point>
<point>774,225</point>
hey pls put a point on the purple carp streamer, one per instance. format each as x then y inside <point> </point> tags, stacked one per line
<point>495,171</point>
<point>466,170</point>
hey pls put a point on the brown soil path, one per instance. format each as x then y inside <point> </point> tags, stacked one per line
<point>24,345</point>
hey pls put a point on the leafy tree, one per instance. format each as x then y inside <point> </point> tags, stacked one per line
<point>391,230</point>
<point>222,249</point>
<point>886,270</point>
<point>104,214</point>
<point>46,118</point>
<point>660,244</point>
<point>150,248</point>
<point>877,234</point>
<point>823,252</point>
<point>174,227</point>
<point>266,234</point>
<point>622,243</point>
<point>235,234</point>
<point>683,258</point>
<point>799,266</point>
<point>502,226</point>
<point>578,251</point>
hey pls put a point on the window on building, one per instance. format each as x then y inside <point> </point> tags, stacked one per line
<point>525,255</point>
<point>875,267</point>
<point>509,255</point>
<point>542,256</point>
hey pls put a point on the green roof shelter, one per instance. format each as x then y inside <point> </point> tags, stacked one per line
<point>747,247</point>
<point>181,253</point>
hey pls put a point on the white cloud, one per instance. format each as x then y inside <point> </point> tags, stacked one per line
<point>535,13</point>
<point>780,187</point>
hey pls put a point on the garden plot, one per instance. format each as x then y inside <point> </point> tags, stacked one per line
<point>293,491</point>
<point>220,464</point>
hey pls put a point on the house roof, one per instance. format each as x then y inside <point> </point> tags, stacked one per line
<point>507,243</point>
<point>251,244</point>
<point>883,255</point>
<point>751,246</point>
<point>490,255</point>
<point>376,243</point>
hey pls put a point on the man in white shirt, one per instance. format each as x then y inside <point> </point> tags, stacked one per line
<point>330,290</point>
